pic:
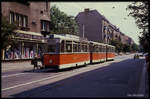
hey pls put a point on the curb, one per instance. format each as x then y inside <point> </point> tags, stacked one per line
<point>142,87</point>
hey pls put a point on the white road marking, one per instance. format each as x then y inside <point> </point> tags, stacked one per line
<point>31,82</point>
<point>13,75</point>
<point>62,74</point>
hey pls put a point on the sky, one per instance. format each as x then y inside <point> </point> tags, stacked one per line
<point>115,12</point>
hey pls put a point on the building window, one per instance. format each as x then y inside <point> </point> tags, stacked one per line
<point>45,25</point>
<point>24,2</point>
<point>17,19</point>
<point>46,6</point>
<point>12,17</point>
<point>21,20</point>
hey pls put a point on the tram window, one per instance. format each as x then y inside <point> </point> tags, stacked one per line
<point>96,49</point>
<point>62,46</point>
<point>102,48</point>
<point>108,49</point>
<point>82,49</point>
<point>99,48</point>
<point>51,48</point>
<point>86,48</point>
<point>69,47</point>
<point>75,48</point>
<point>79,48</point>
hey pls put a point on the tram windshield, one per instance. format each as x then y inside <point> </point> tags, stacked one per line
<point>53,46</point>
<point>66,46</point>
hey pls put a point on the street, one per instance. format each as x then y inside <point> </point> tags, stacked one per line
<point>118,78</point>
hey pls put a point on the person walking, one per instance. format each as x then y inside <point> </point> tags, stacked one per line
<point>35,62</point>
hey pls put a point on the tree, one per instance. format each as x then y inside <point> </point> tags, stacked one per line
<point>126,48</point>
<point>7,33</point>
<point>118,45</point>
<point>134,47</point>
<point>139,11</point>
<point>62,23</point>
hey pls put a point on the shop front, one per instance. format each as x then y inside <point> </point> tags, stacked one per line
<point>27,46</point>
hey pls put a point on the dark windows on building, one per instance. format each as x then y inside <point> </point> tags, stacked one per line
<point>12,17</point>
<point>19,19</point>
<point>45,25</point>
<point>105,28</point>
<point>46,5</point>
<point>24,2</point>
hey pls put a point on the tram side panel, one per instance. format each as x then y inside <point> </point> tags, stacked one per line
<point>74,60</point>
<point>110,56</point>
<point>110,53</point>
<point>98,54</point>
<point>51,60</point>
<point>66,60</point>
<point>97,57</point>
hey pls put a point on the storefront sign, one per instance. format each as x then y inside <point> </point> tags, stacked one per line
<point>29,36</point>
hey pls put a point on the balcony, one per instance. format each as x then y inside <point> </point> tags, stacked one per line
<point>44,32</point>
<point>24,28</point>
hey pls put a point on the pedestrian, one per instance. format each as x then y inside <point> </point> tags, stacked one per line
<point>42,59</point>
<point>35,61</point>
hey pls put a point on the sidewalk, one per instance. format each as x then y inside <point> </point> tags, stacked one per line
<point>20,65</point>
<point>144,85</point>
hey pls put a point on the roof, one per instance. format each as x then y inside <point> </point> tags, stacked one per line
<point>45,17</point>
<point>97,43</point>
<point>68,37</point>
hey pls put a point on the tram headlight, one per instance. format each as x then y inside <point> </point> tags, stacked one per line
<point>50,61</point>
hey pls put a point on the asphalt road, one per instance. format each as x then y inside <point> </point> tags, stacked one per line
<point>118,78</point>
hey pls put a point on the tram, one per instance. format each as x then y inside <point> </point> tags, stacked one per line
<point>97,52</point>
<point>110,52</point>
<point>65,51</point>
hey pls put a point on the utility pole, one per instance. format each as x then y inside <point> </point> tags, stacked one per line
<point>83,30</point>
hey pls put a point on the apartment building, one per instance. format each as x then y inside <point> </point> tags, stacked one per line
<point>96,27</point>
<point>33,21</point>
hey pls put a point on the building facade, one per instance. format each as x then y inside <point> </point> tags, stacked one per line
<point>89,25</point>
<point>96,27</point>
<point>32,19</point>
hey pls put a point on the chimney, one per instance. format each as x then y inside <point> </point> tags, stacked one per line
<point>86,10</point>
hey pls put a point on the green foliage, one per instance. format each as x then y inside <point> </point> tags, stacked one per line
<point>62,23</point>
<point>117,44</point>
<point>123,47</point>
<point>126,48</point>
<point>134,47</point>
<point>7,32</point>
<point>139,11</point>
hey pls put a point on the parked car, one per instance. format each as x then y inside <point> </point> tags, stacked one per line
<point>140,54</point>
